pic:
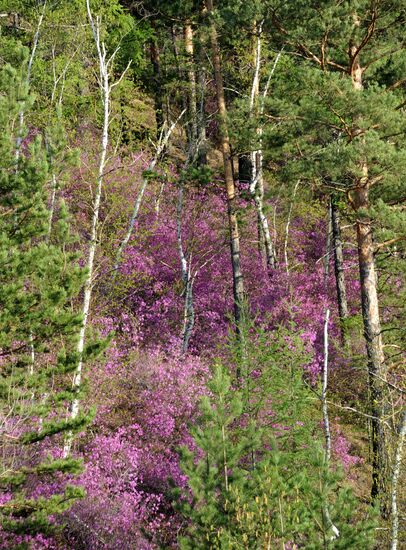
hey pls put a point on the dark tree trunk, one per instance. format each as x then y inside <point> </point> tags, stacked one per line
<point>238,285</point>
<point>192,107</point>
<point>339,270</point>
<point>244,168</point>
<point>157,80</point>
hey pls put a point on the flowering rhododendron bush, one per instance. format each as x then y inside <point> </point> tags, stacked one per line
<point>146,393</point>
<point>202,271</point>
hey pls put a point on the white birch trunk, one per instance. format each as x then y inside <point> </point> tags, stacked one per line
<point>395,478</point>
<point>188,280</point>
<point>105,90</point>
<point>288,226</point>
<point>326,420</point>
<point>257,176</point>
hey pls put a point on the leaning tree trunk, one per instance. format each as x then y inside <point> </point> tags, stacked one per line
<point>238,285</point>
<point>371,316</point>
<point>339,270</point>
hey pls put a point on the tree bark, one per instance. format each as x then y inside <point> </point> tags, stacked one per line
<point>395,478</point>
<point>373,339</point>
<point>192,95</point>
<point>200,72</point>
<point>105,88</point>
<point>371,317</point>
<point>326,421</point>
<point>157,79</point>
<point>238,285</point>
<point>265,243</point>
<point>339,270</point>
<point>186,274</point>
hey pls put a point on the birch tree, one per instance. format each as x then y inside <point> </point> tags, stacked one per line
<point>162,144</point>
<point>256,157</point>
<point>397,463</point>
<point>105,66</point>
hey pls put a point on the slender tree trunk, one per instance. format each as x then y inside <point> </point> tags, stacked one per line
<point>238,285</point>
<point>186,273</point>
<point>339,270</point>
<point>256,179</point>
<point>192,95</point>
<point>395,478</point>
<point>285,246</point>
<point>266,247</point>
<point>371,318</point>
<point>157,79</point>
<point>105,90</point>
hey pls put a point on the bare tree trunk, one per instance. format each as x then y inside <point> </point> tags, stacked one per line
<point>256,159</point>
<point>157,79</point>
<point>238,285</point>
<point>324,385</point>
<point>186,273</point>
<point>371,318</point>
<point>326,421</point>
<point>339,270</point>
<point>285,246</point>
<point>192,105</point>
<point>395,478</point>
<point>373,338</point>
<point>106,88</point>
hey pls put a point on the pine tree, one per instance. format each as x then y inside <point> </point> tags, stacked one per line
<point>256,471</point>
<point>341,126</point>
<point>40,278</point>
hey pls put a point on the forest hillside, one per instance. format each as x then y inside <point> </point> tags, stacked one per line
<point>202,274</point>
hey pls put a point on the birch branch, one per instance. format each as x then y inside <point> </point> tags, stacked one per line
<point>160,148</point>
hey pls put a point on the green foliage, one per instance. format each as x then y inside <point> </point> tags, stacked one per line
<point>256,470</point>
<point>39,279</point>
